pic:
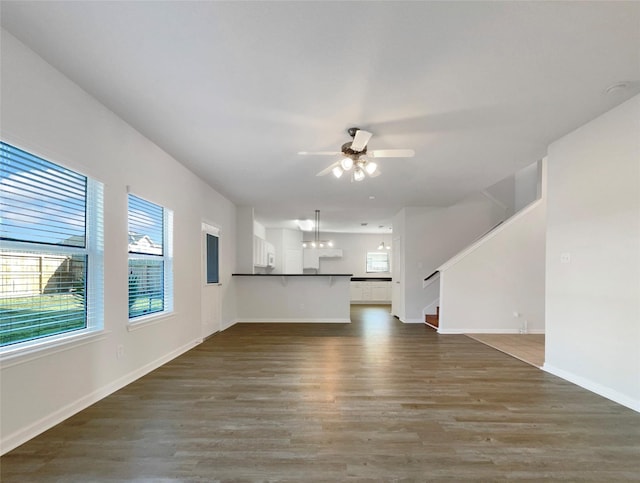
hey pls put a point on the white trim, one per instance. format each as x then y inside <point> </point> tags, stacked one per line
<point>487,331</point>
<point>294,320</point>
<point>25,434</point>
<point>475,245</point>
<point>147,320</point>
<point>225,327</point>
<point>594,387</point>
<point>211,229</point>
<point>412,321</point>
<point>48,346</point>
<point>370,302</point>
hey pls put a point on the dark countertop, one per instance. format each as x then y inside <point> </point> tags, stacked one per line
<point>292,275</point>
<point>371,279</point>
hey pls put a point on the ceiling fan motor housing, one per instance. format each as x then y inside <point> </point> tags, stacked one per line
<point>352,131</point>
<point>347,151</point>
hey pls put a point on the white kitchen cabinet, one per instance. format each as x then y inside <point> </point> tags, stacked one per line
<point>263,253</point>
<point>310,258</point>
<point>330,252</point>
<point>380,290</point>
<point>374,292</point>
<point>356,291</point>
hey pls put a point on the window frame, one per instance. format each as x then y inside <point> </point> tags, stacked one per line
<point>371,270</point>
<point>93,250</point>
<point>167,265</point>
<point>210,231</point>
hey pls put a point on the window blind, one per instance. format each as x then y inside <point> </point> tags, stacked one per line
<point>146,257</point>
<point>41,202</point>
<point>377,262</point>
<point>44,258</point>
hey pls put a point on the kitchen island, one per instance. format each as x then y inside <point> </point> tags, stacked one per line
<point>297,297</point>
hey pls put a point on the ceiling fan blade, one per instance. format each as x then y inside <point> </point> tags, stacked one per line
<point>319,153</point>
<point>392,153</point>
<point>328,169</point>
<point>375,174</point>
<point>360,140</point>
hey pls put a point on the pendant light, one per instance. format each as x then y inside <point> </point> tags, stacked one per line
<point>317,243</point>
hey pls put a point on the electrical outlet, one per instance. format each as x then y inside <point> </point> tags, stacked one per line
<point>120,351</point>
<point>565,258</point>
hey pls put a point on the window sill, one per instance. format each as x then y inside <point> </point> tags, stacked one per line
<point>11,356</point>
<point>147,320</point>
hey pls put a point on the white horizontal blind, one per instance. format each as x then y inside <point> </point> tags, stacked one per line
<point>41,202</point>
<point>146,257</point>
<point>45,261</point>
<point>377,262</point>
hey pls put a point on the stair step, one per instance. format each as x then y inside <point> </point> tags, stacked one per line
<point>432,319</point>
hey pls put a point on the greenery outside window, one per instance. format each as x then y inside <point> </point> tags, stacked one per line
<point>150,258</point>
<point>51,257</point>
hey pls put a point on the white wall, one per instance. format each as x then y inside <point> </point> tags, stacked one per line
<point>45,113</point>
<point>288,249</point>
<point>354,248</point>
<point>593,226</point>
<point>527,185</point>
<point>503,273</point>
<point>303,298</point>
<point>244,239</point>
<point>432,236</point>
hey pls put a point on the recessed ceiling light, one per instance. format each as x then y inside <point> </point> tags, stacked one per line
<point>372,197</point>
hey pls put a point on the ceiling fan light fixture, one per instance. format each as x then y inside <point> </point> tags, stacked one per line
<point>346,163</point>
<point>371,167</point>
<point>337,171</point>
<point>358,174</point>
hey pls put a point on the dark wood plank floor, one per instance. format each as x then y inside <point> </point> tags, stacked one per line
<point>375,400</point>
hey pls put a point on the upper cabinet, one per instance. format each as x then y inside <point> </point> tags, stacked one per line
<point>311,256</point>
<point>264,253</point>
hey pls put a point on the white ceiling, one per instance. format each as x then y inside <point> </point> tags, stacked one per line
<point>234,90</point>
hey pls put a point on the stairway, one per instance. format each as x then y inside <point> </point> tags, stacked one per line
<point>431,319</point>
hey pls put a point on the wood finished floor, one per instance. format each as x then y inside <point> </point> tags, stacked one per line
<point>526,347</point>
<point>374,400</point>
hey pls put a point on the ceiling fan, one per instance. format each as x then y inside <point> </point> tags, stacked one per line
<point>356,157</point>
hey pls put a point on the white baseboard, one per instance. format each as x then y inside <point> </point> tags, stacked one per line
<point>370,302</point>
<point>599,389</point>
<point>412,321</point>
<point>293,321</point>
<point>31,431</point>
<point>486,331</point>
<point>225,326</point>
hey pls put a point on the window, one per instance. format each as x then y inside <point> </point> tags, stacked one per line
<point>377,262</point>
<point>51,256</point>
<point>150,258</point>
<point>212,259</point>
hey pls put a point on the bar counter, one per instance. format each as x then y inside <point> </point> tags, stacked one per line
<point>294,297</point>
